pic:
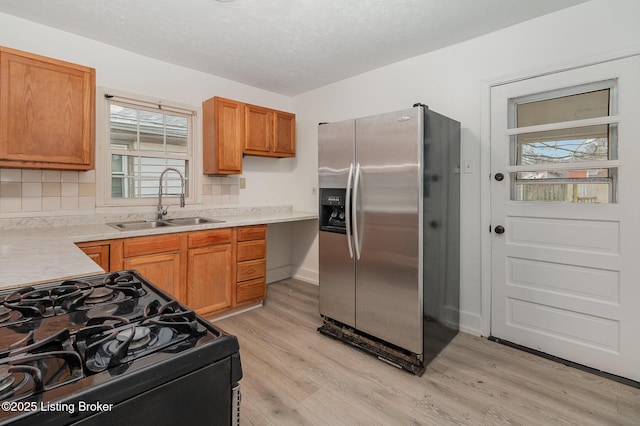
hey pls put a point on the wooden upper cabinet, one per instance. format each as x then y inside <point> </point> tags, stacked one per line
<point>258,129</point>
<point>231,128</point>
<point>47,112</point>
<point>222,136</point>
<point>284,142</point>
<point>269,132</point>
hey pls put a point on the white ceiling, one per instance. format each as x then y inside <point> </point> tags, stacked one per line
<point>285,46</point>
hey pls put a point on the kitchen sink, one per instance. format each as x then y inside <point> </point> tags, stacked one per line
<point>184,221</point>
<point>137,225</point>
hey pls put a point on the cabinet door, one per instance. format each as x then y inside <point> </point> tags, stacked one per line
<point>252,289</point>
<point>47,110</point>
<point>222,136</point>
<point>284,142</point>
<point>250,250</point>
<point>252,232</point>
<point>210,278</point>
<point>251,270</point>
<point>99,253</point>
<point>163,270</point>
<point>258,129</point>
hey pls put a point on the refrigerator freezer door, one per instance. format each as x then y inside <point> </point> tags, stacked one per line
<point>388,211</point>
<point>336,262</point>
<point>335,153</point>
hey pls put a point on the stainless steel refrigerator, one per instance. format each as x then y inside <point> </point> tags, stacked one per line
<point>389,233</point>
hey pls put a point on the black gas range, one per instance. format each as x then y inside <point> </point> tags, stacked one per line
<point>112,349</point>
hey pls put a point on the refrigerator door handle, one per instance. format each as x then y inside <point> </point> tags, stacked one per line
<point>348,211</point>
<point>354,211</point>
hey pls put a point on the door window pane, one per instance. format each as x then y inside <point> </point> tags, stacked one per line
<point>566,108</point>
<point>564,192</point>
<point>568,145</point>
<point>590,143</point>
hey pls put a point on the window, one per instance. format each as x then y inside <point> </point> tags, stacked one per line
<point>564,145</point>
<point>143,140</point>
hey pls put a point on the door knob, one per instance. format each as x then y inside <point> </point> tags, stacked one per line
<point>499,229</point>
<point>499,177</point>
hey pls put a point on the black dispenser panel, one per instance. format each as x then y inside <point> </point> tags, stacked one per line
<point>332,210</point>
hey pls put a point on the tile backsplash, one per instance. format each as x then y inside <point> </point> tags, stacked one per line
<point>220,190</point>
<point>32,191</point>
<point>24,190</point>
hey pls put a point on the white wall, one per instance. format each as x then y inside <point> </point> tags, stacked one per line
<point>450,81</point>
<point>129,72</point>
<point>124,71</point>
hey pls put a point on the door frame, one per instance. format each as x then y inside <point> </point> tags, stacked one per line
<point>485,162</point>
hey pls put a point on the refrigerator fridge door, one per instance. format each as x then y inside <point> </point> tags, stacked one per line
<point>337,264</point>
<point>387,211</point>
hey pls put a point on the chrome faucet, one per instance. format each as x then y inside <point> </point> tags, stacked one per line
<point>163,210</point>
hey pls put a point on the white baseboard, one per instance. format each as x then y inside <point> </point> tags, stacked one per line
<point>471,323</point>
<point>307,275</point>
<point>278,274</point>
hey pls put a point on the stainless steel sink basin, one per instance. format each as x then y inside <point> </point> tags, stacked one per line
<point>137,225</point>
<point>184,221</point>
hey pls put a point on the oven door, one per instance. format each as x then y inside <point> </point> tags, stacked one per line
<point>203,397</point>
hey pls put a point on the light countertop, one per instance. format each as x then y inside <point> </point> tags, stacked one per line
<point>39,250</point>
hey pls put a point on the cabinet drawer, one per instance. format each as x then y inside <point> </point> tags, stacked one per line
<point>248,233</point>
<point>209,238</point>
<point>251,269</point>
<point>250,250</point>
<point>151,245</point>
<point>254,289</point>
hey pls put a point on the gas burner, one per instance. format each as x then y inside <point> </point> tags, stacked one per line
<point>5,314</point>
<point>141,337</point>
<point>30,374</point>
<point>31,366</point>
<point>111,347</point>
<point>99,295</point>
<point>16,380</point>
<point>7,379</point>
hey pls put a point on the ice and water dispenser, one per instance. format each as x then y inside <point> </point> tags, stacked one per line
<point>332,210</point>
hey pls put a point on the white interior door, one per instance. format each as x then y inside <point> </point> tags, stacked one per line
<point>565,215</point>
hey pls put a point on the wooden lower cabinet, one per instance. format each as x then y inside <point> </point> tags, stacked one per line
<point>211,267</point>
<point>159,258</point>
<point>251,275</point>
<point>99,253</point>
<point>208,286</point>
<point>163,270</point>
<point>211,271</point>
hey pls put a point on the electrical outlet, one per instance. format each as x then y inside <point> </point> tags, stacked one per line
<point>243,183</point>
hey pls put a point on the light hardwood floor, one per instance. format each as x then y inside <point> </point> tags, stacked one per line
<point>295,376</point>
